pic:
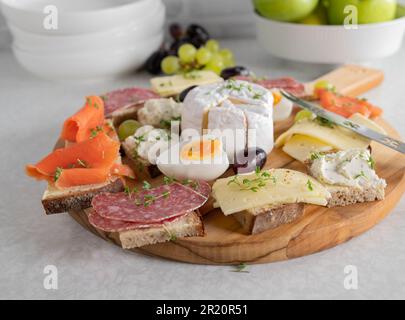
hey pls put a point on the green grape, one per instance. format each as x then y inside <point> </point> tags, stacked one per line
<point>304,114</point>
<point>227,57</point>
<point>216,64</point>
<point>187,53</point>
<point>229,63</point>
<point>212,45</point>
<point>170,65</point>
<point>324,84</point>
<point>226,54</point>
<point>203,56</point>
<point>128,128</point>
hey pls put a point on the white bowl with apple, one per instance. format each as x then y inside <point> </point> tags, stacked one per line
<point>325,31</point>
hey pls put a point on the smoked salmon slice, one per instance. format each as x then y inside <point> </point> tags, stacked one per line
<point>87,162</point>
<point>86,122</point>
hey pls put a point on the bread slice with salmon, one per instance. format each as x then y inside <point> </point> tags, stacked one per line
<point>89,163</point>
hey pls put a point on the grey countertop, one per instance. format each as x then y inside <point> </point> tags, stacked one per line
<point>32,111</point>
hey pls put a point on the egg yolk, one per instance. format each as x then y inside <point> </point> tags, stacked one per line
<point>200,149</point>
<point>277,98</point>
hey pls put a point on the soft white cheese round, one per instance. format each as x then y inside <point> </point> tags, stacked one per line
<point>237,106</point>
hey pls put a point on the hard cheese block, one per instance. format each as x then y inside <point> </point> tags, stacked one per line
<point>283,187</point>
<point>173,85</point>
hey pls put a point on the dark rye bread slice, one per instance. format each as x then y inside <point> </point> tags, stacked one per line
<point>76,198</point>
<point>257,220</point>
<point>189,225</point>
<point>342,196</point>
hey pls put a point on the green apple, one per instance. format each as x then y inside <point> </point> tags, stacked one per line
<point>317,17</point>
<point>285,10</point>
<point>369,11</point>
<point>400,12</point>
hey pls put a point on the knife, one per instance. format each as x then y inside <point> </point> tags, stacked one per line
<point>346,123</point>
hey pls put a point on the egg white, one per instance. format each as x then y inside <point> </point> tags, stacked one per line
<point>172,165</point>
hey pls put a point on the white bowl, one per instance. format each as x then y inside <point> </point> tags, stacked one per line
<point>76,16</point>
<point>329,44</point>
<point>131,33</point>
<point>106,63</point>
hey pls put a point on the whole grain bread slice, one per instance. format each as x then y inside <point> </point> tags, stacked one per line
<point>345,196</point>
<point>189,225</point>
<point>257,220</point>
<point>76,198</point>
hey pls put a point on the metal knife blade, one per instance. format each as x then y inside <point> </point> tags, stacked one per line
<point>346,123</point>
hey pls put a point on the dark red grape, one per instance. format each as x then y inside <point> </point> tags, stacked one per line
<point>176,31</point>
<point>184,93</point>
<point>152,65</point>
<point>234,71</point>
<point>248,160</point>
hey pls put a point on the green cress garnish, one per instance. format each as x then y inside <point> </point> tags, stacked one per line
<point>310,186</point>
<point>324,122</point>
<point>260,181</point>
<point>94,132</point>
<point>361,174</point>
<point>149,199</point>
<point>146,185</point>
<point>241,268</point>
<point>168,180</point>
<point>58,172</point>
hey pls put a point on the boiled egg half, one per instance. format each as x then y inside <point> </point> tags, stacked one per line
<point>282,107</point>
<point>200,158</point>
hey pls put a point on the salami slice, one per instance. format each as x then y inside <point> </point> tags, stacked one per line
<point>148,206</point>
<point>121,98</point>
<point>202,187</point>
<point>109,225</point>
<point>288,84</point>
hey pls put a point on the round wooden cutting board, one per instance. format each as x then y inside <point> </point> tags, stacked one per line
<point>318,229</point>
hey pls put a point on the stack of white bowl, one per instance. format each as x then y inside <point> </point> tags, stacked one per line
<point>92,39</point>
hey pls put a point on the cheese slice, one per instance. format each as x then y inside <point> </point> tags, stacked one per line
<point>174,85</point>
<point>300,147</point>
<point>337,137</point>
<point>308,136</point>
<point>284,187</point>
<point>362,120</point>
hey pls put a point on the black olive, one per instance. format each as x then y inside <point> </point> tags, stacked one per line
<point>234,71</point>
<point>197,34</point>
<point>248,160</point>
<point>153,171</point>
<point>152,65</point>
<point>183,94</point>
<point>176,31</point>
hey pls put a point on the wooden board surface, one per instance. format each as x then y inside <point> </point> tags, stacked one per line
<point>318,229</point>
